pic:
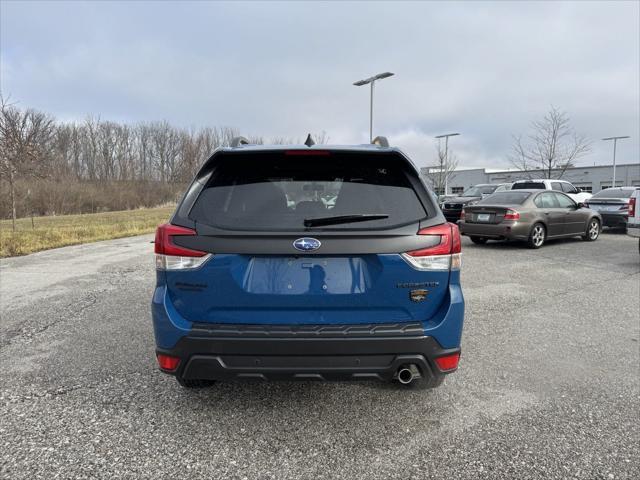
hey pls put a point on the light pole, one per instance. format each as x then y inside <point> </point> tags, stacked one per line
<point>372,81</point>
<point>615,143</point>
<point>446,157</point>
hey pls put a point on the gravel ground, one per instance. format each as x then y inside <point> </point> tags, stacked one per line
<point>548,385</point>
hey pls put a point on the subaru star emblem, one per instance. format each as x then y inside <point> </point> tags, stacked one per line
<point>306,244</point>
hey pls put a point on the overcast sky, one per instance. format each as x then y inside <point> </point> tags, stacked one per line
<point>485,70</point>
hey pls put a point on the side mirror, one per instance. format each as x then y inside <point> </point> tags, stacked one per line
<point>581,205</point>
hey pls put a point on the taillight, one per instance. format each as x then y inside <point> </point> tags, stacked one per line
<point>444,255</point>
<point>632,207</point>
<point>167,362</point>
<point>462,214</point>
<point>511,215</point>
<point>170,256</point>
<point>448,362</point>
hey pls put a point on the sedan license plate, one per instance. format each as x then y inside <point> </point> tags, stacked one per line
<point>484,217</point>
<point>609,208</point>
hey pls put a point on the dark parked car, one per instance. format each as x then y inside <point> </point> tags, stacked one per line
<point>613,205</point>
<point>530,215</point>
<point>452,207</point>
<point>259,278</point>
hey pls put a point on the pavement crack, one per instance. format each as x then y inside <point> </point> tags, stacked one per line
<point>69,311</point>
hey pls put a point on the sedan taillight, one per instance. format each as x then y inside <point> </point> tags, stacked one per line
<point>170,256</point>
<point>512,215</point>
<point>632,207</point>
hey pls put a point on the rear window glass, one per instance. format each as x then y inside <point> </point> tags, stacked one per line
<point>270,191</point>
<point>479,190</point>
<point>506,198</point>
<point>614,193</point>
<point>528,186</point>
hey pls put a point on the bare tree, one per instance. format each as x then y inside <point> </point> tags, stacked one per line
<point>94,165</point>
<point>321,138</point>
<point>23,136</point>
<point>551,147</point>
<point>442,170</point>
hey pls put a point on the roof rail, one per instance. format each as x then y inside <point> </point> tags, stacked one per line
<point>380,141</point>
<point>239,141</point>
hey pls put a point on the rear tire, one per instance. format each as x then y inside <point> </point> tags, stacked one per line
<point>593,230</point>
<point>479,240</point>
<point>187,383</point>
<point>537,236</point>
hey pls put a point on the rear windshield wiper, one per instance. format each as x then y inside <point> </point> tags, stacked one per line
<point>338,219</point>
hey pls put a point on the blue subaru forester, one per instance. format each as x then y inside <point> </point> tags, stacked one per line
<point>308,262</point>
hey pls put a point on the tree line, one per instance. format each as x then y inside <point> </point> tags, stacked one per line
<point>51,167</point>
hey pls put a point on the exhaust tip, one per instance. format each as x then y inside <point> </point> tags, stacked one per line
<point>405,376</point>
<point>408,373</point>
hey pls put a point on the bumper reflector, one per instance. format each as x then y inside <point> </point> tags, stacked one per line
<point>168,363</point>
<point>449,362</point>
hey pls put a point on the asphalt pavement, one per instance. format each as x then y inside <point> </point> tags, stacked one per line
<point>548,385</point>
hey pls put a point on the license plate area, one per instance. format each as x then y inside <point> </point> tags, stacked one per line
<point>483,217</point>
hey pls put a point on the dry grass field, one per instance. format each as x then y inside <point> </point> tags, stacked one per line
<point>59,231</point>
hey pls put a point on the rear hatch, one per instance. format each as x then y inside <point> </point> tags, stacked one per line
<point>309,237</point>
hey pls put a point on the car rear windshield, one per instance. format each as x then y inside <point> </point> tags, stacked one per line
<point>479,190</point>
<point>506,198</point>
<point>614,193</point>
<point>528,186</point>
<point>267,191</point>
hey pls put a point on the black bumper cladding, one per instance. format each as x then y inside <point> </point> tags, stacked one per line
<point>327,352</point>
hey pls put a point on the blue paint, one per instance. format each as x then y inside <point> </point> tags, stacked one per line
<point>310,290</point>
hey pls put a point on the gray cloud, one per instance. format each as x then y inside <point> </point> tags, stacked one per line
<point>282,69</point>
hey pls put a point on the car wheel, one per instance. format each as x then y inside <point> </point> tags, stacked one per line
<point>593,230</point>
<point>479,240</point>
<point>537,236</point>
<point>187,383</point>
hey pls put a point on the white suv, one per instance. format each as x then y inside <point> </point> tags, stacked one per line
<point>547,184</point>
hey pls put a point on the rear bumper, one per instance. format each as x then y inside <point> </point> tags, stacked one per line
<point>504,230</point>
<point>614,219</point>
<point>204,357</point>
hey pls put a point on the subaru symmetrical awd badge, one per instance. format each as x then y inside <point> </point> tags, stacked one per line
<point>306,244</point>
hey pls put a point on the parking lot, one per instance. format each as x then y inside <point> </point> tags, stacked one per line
<point>547,388</point>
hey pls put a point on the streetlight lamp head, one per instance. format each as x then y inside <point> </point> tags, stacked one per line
<point>447,135</point>
<point>616,138</point>
<point>380,76</point>
<point>369,80</point>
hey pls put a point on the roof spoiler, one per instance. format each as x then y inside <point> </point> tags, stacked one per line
<point>380,141</point>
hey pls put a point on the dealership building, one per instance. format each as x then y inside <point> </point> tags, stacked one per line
<point>589,179</point>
